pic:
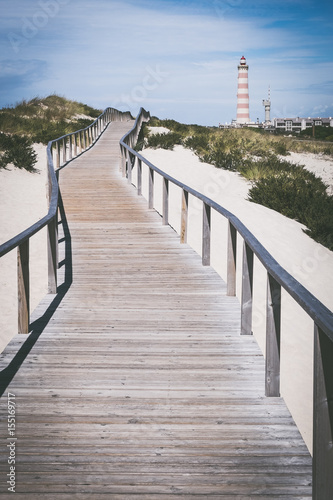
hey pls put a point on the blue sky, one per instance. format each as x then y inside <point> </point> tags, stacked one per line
<point>178,59</point>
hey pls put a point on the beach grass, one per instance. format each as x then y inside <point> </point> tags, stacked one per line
<point>262,158</point>
<point>38,121</point>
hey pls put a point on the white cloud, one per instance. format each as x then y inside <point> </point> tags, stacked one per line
<point>100,51</point>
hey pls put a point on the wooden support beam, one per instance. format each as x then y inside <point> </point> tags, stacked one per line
<point>206,229</point>
<point>70,147</point>
<point>322,474</point>
<point>64,156</point>
<point>184,217</point>
<point>273,327</point>
<point>232,259</point>
<point>23,287</point>
<point>151,189</point>
<point>52,248</point>
<point>165,202</point>
<point>130,159</point>
<point>58,154</point>
<point>139,163</point>
<point>124,162</point>
<point>247,291</point>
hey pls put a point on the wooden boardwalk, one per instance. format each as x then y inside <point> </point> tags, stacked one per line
<point>135,383</point>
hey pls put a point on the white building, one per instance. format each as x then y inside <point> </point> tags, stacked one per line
<point>298,124</point>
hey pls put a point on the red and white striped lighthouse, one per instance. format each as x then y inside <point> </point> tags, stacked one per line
<point>243,113</point>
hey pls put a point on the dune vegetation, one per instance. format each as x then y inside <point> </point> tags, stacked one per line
<point>38,121</point>
<point>262,158</point>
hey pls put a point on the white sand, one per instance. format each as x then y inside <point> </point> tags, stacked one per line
<point>320,165</point>
<point>22,203</point>
<point>159,130</point>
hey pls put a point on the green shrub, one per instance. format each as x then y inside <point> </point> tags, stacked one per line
<point>220,159</point>
<point>280,148</point>
<point>287,188</point>
<point>44,119</point>
<point>18,151</point>
<point>300,195</point>
<point>320,132</point>
<point>198,142</point>
<point>164,141</point>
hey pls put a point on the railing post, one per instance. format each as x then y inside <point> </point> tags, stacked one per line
<point>273,326</point>
<point>184,217</point>
<point>80,142</point>
<point>70,147</point>
<point>247,291</point>
<point>52,248</point>
<point>23,287</point>
<point>123,160</point>
<point>232,260</point>
<point>151,189</point>
<point>58,154</point>
<point>165,202</point>
<point>206,235</point>
<point>322,476</point>
<point>75,145</point>
<point>129,167</point>
<point>139,163</point>
<point>125,163</point>
<point>64,150</point>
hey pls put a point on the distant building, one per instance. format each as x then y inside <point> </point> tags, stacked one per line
<point>284,124</point>
<point>298,124</point>
<point>267,104</point>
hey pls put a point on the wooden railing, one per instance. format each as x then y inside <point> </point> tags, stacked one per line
<point>59,152</point>
<point>277,277</point>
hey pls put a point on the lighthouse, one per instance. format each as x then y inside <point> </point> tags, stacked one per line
<point>243,113</point>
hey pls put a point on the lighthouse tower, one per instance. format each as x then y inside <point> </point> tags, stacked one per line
<point>243,113</point>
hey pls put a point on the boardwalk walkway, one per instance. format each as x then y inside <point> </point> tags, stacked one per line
<point>137,384</point>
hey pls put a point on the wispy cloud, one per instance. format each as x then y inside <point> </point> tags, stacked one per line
<point>101,52</point>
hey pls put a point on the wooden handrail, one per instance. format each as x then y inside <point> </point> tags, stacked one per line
<point>277,277</point>
<point>65,148</point>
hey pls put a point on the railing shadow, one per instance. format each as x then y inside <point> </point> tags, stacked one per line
<point>38,326</point>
